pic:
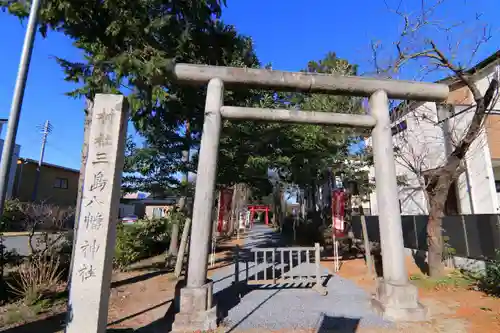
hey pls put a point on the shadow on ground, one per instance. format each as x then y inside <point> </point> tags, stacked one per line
<point>420,260</point>
<point>139,278</point>
<point>57,322</point>
<point>50,324</point>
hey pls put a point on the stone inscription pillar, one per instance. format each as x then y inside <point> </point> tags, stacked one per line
<point>94,247</point>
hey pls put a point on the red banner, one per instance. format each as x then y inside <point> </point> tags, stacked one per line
<point>338,206</point>
<point>225,199</point>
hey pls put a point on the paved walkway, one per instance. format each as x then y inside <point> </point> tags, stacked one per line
<point>344,309</point>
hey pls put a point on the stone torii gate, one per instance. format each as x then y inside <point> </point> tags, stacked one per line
<point>395,298</point>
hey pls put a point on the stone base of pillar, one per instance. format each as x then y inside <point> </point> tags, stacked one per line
<point>398,303</point>
<point>196,310</point>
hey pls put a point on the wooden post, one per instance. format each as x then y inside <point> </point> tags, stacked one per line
<point>182,248</point>
<point>366,241</point>
<point>94,247</point>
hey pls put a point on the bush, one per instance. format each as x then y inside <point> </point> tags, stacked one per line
<point>127,247</point>
<point>141,240</point>
<point>36,278</point>
<point>489,281</point>
<point>46,217</point>
<point>155,235</point>
<point>13,216</point>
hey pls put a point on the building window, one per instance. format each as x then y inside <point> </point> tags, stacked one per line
<point>497,185</point>
<point>61,183</point>
<point>157,212</point>
<point>399,127</point>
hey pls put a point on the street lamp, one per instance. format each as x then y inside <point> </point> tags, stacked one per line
<point>21,163</point>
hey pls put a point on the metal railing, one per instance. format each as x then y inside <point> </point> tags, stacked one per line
<point>283,265</point>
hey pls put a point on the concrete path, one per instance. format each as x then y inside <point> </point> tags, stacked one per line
<point>344,309</point>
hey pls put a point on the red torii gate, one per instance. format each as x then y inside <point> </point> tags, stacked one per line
<point>258,208</point>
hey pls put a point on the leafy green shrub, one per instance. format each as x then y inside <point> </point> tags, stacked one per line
<point>127,247</point>
<point>155,235</point>
<point>489,281</point>
<point>13,216</point>
<point>140,240</point>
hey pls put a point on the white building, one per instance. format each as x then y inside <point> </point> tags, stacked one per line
<point>424,135</point>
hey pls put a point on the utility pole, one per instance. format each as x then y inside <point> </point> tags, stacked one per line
<point>17,101</point>
<point>46,129</point>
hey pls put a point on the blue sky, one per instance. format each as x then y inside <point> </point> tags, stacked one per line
<point>286,33</point>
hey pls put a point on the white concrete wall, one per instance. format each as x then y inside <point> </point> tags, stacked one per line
<point>484,193</point>
<point>418,148</point>
<point>476,188</point>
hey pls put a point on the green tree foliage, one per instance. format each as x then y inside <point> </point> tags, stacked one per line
<point>308,150</point>
<point>127,45</point>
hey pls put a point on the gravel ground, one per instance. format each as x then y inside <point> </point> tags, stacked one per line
<point>344,309</point>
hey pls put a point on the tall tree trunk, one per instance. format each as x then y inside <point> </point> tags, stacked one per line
<point>234,210</point>
<point>239,201</point>
<point>313,195</point>
<point>437,193</point>
<point>437,200</point>
<point>276,206</point>
<point>435,244</point>
<point>89,106</point>
<point>302,202</point>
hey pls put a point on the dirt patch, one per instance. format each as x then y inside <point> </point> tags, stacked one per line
<point>143,301</point>
<point>453,309</point>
